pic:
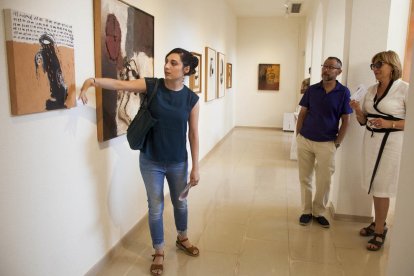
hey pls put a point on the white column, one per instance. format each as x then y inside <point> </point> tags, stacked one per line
<point>402,243</point>
<point>367,36</point>
<point>402,246</point>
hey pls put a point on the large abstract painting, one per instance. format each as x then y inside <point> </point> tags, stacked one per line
<point>124,49</point>
<point>40,57</point>
<point>269,76</point>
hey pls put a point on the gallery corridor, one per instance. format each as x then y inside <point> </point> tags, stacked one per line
<point>243,216</point>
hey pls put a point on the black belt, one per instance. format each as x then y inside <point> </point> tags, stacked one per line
<point>387,132</point>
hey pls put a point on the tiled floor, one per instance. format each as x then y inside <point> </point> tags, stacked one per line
<point>244,218</point>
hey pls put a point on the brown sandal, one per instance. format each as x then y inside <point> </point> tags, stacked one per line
<point>374,244</point>
<point>370,230</point>
<point>157,269</point>
<point>190,251</point>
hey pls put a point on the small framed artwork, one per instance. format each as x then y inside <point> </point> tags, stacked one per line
<point>269,76</point>
<point>229,75</point>
<point>195,79</point>
<point>41,63</point>
<point>210,72</point>
<point>220,75</point>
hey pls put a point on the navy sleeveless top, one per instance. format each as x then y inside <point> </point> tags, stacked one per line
<point>166,141</point>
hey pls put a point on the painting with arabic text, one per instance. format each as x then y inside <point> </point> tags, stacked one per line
<point>40,59</point>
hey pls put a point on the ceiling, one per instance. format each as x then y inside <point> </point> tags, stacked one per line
<point>262,8</point>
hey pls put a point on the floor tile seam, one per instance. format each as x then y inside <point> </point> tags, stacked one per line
<point>314,243</point>
<point>288,203</point>
<point>249,220</point>
<point>314,262</point>
<point>354,247</point>
<point>205,226</point>
<point>264,240</point>
<point>131,266</point>
<point>243,245</point>
<point>336,251</point>
<point>219,251</point>
<point>129,269</point>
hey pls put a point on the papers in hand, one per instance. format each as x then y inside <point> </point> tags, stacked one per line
<point>359,93</point>
<point>184,193</point>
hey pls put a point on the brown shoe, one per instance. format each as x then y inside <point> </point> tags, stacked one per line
<point>157,269</point>
<point>190,251</point>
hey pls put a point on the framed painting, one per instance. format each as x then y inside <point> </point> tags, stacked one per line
<point>195,79</point>
<point>124,50</point>
<point>210,71</point>
<point>221,75</point>
<point>269,76</point>
<point>229,68</point>
<point>41,64</point>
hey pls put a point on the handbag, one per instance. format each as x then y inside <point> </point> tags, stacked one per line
<point>142,123</point>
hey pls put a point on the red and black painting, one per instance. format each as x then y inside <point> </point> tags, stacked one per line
<point>124,49</point>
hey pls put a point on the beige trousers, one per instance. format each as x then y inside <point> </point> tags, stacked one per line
<point>318,157</point>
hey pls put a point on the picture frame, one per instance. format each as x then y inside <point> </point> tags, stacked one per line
<point>221,75</point>
<point>229,75</point>
<point>210,74</point>
<point>196,79</point>
<point>124,49</point>
<point>41,63</point>
<point>269,77</point>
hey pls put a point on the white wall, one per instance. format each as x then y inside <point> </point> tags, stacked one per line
<point>397,29</point>
<point>267,40</point>
<point>402,245</point>
<point>65,198</point>
<point>317,41</point>
<point>335,32</point>
<point>363,43</point>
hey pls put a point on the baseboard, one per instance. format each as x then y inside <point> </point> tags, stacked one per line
<point>255,127</point>
<point>351,218</point>
<point>97,268</point>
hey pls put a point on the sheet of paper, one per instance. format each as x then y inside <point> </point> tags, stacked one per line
<point>184,193</point>
<point>359,94</point>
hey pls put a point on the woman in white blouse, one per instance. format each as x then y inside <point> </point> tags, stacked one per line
<point>382,112</point>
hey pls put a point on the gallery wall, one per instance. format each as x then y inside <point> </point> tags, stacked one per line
<point>66,199</point>
<point>268,40</point>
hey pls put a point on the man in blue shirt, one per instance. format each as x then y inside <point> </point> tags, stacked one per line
<point>319,135</point>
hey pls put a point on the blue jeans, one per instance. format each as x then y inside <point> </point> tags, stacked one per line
<point>153,174</point>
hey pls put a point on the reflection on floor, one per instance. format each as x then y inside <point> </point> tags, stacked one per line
<point>244,218</point>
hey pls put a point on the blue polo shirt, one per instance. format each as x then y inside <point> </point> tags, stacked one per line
<point>321,123</point>
<point>166,141</point>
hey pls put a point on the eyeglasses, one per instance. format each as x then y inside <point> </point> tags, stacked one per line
<point>329,67</point>
<point>377,65</point>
